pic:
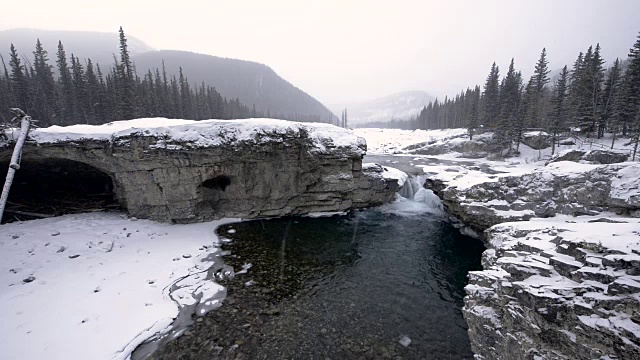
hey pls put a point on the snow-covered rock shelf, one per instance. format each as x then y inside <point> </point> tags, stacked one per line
<point>561,288</point>
<point>177,134</point>
<point>559,188</point>
<point>187,171</point>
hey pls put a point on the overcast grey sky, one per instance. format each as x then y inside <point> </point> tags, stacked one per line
<point>347,50</point>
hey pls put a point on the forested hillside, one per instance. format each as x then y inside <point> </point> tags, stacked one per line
<point>61,88</point>
<point>251,82</point>
<point>590,97</point>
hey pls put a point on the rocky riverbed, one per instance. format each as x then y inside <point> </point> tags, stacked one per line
<point>383,283</point>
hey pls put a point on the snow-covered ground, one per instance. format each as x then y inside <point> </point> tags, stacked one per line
<point>94,286</point>
<point>393,141</point>
<point>456,169</point>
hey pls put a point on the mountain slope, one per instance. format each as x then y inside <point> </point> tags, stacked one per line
<point>251,82</point>
<point>399,106</point>
<point>98,46</point>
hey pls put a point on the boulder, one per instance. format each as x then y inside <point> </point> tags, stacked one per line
<point>592,156</point>
<point>605,157</point>
<point>536,139</point>
<point>568,155</point>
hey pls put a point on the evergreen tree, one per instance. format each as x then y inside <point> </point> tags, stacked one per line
<point>65,82</point>
<point>633,91</point>
<point>509,126</point>
<point>19,83</point>
<point>608,98</point>
<point>492,97</point>
<point>559,110</point>
<point>474,115</point>
<point>126,89</point>
<point>535,108</point>
<point>80,90</point>
<point>46,98</point>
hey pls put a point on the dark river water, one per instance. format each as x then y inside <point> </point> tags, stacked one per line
<point>355,286</point>
<point>384,283</point>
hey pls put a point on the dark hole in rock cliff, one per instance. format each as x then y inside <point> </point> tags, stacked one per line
<point>219,182</point>
<point>52,187</point>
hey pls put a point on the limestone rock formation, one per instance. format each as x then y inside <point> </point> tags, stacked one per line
<point>562,289</point>
<point>566,283</point>
<point>186,171</point>
<point>559,188</point>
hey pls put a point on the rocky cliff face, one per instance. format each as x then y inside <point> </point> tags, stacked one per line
<point>566,289</point>
<point>566,283</point>
<point>558,188</point>
<point>189,172</point>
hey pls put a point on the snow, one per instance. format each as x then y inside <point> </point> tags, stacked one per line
<point>391,141</point>
<point>175,134</point>
<point>101,283</point>
<point>393,173</point>
<point>626,185</point>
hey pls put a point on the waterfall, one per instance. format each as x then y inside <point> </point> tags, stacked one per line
<point>413,198</point>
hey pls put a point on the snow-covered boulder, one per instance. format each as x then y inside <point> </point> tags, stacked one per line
<point>592,156</point>
<point>536,139</point>
<point>605,157</point>
<point>480,146</point>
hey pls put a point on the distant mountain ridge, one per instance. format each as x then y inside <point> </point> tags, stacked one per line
<point>399,106</point>
<point>252,83</point>
<point>99,46</point>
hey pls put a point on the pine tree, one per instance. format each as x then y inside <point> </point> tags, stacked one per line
<point>80,90</point>
<point>67,99</point>
<point>474,116</point>
<point>535,108</point>
<point>597,78</point>
<point>507,128</point>
<point>18,81</point>
<point>633,94</point>
<point>46,101</point>
<point>492,97</point>
<point>559,110</point>
<point>126,81</point>
<point>608,98</point>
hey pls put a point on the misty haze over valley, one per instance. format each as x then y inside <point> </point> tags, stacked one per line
<point>320,180</point>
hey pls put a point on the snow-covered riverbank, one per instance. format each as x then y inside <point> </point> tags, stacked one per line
<point>94,286</point>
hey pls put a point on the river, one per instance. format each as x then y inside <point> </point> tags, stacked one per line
<point>380,283</point>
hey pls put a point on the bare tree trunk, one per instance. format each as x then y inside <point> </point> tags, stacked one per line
<point>25,123</point>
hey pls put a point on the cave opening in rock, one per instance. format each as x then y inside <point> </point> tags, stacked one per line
<point>219,182</point>
<point>53,187</point>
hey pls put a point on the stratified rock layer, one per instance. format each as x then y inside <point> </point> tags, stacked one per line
<point>566,283</point>
<point>558,188</point>
<point>197,171</point>
<point>562,289</point>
